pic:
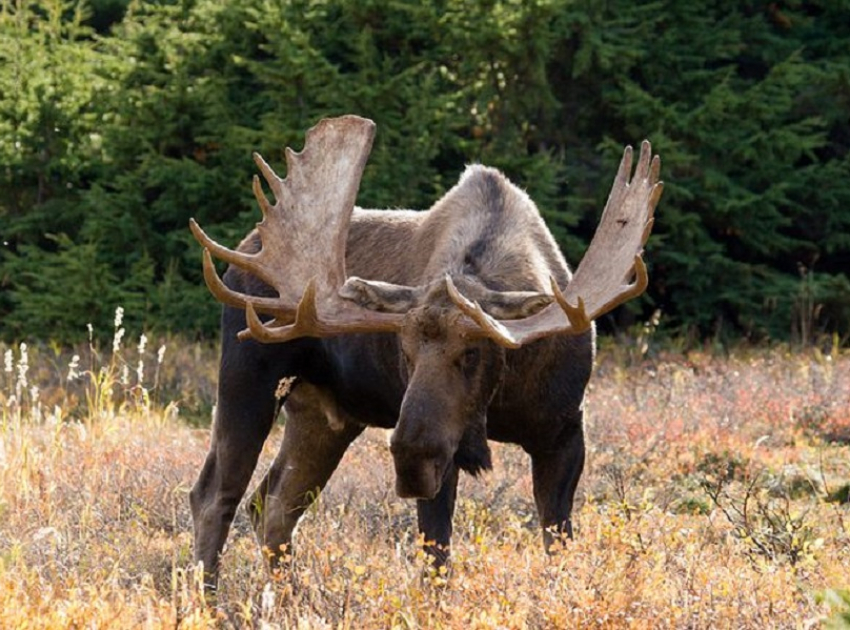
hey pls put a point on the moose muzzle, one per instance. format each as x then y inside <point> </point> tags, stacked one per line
<point>419,479</point>
<point>422,455</point>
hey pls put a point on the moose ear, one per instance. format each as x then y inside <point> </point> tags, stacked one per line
<point>502,305</point>
<point>515,304</point>
<point>379,296</point>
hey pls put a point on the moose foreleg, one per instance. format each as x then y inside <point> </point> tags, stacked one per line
<point>311,450</point>
<point>245,412</point>
<point>237,440</point>
<point>435,519</point>
<point>555,474</point>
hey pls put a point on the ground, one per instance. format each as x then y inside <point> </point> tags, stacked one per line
<point>716,495</point>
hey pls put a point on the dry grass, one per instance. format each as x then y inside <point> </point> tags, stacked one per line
<point>715,496</point>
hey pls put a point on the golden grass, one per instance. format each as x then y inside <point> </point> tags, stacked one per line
<point>712,499</point>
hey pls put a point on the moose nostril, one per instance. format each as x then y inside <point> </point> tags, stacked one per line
<point>419,478</point>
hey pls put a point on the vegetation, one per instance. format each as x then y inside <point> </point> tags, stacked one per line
<point>718,485</point>
<point>715,496</point>
<point>120,119</point>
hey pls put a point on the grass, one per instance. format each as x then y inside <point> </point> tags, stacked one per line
<point>715,496</point>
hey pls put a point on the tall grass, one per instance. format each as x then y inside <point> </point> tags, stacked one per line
<point>712,498</point>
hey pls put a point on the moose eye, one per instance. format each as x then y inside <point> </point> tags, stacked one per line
<point>468,361</point>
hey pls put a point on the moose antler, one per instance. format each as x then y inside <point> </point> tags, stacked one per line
<point>303,239</point>
<point>602,280</point>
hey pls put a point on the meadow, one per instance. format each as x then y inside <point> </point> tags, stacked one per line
<point>717,495</point>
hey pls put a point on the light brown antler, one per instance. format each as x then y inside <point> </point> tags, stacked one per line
<point>303,240</point>
<point>603,278</point>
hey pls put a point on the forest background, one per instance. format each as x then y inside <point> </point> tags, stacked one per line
<point>121,119</point>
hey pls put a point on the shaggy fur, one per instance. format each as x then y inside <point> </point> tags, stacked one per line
<point>444,394</point>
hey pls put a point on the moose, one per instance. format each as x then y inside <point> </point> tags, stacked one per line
<point>452,326</point>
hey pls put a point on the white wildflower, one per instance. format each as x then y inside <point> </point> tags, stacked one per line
<point>116,340</point>
<point>9,360</point>
<point>119,317</point>
<point>160,355</point>
<point>172,411</point>
<point>23,364</point>
<point>125,375</point>
<point>23,368</point>
<point>140,368</point>
<point>73,374</point>
<point>35,409</point>
<point>267,601</point>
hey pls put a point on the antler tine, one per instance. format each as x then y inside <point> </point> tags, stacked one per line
<point>641,278</point>
<point>576,314</point>
<point>490,326</point>
<point>228,296</point>
<point>655,171</point>
<point>311,322</point>
<point>631,290</point>
<point>260,196</point>
<point>644,160</point>
<point>306,320</point>
<point>249,262</point>
<point>652,177</point>
<point>274,182</point>
<point>624,171</point>
<point>657,189</point>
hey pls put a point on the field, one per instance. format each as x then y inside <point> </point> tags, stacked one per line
<point>717,495</point>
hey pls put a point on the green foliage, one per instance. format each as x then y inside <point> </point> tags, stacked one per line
<point>120,120</point>
<point>48,140</point>
<point>75,285</point>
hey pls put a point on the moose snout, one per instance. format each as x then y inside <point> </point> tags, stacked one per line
<point>423,443</point>
<point>419,480</point>
<point>420,467</point>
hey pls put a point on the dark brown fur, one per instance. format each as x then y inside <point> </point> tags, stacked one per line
<point>445,395</point>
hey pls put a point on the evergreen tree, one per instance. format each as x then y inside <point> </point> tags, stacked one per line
<point>120,121</point>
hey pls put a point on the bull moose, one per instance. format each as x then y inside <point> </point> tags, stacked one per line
<point>457,325</point>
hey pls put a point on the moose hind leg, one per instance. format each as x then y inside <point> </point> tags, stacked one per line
<point>555,474</point>
<point>311,450</point>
